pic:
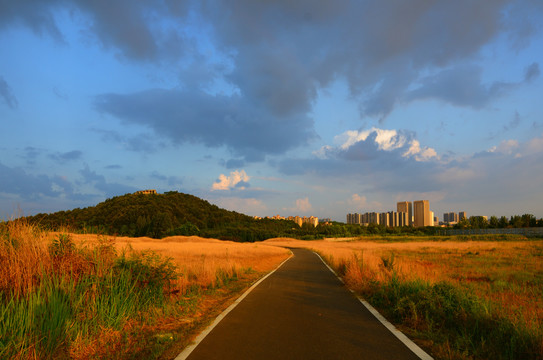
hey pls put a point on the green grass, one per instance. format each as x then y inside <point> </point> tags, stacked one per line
<point>459,324</point>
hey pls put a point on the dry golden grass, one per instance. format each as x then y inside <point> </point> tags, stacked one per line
<point>509,273</point>
<point>20,255</point>
<point>29,258</point>
<point>199,260</point>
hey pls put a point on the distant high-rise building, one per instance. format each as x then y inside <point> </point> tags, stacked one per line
<point>445,217</point>
<point>383,219</point>
<point>453,217</point>
<point>406,207</point>
<point>403,219</point>
<point>462,215</point>
<point>373,218</point>
<point>422,213</point>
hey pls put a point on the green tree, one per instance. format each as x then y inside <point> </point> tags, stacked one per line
<point>494,222</point>
<point>503,223</point>
<point>478,222</point>
<point>528,220</point>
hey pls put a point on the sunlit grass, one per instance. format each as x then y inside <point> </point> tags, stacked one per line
<point>70,296</point>
<point>501,282</point>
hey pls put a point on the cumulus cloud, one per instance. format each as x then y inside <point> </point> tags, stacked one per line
<point>370,144</point>
<point>236,180</point>
<point>6,94</point>
<point>385,160</point>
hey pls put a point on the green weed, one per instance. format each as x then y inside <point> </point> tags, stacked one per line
<point>454,318</point>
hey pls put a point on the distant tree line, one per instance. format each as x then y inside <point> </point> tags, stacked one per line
<point>174,213</point>
<point>516,221</point>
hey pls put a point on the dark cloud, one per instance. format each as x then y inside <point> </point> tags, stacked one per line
<point>67,156</point>
<point>276,56</point>
<point>7,95</point>
<point>169,180</point>
<point>234,164</point>
<point>284,52</point>
<point>31,187</point>
<point>100,183</point>
<point>133,27</point>
<point>532,72</point>
<point>37,15</point>
<point>214,120</point>
<point>462,86</point>
<point>144,143</point>
<point>31,154</point>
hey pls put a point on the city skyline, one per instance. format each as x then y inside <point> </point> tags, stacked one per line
<point>304,107</point>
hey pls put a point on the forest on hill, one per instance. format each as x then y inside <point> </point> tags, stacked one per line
<point>160,215</point>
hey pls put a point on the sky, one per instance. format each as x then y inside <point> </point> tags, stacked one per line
<point>303,107</point>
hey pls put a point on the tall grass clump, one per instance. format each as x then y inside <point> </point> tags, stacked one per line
<point>56,296</point>
<point>459,324</point>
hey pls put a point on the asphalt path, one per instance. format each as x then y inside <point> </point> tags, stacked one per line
<point>301,311</point>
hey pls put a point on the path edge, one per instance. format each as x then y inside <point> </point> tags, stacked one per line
<point>190,348</point>
<point>423,355</point>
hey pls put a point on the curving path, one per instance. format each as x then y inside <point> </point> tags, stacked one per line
<point>301,311</point>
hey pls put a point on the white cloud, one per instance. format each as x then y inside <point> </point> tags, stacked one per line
<point>534,146</point>
<point>420,154</point>
<point>505,147</point>
<point>303,205</point>
<point>350,137</point>
<point>385,139</point>
<point>237,179</point>
<point>358,202</point>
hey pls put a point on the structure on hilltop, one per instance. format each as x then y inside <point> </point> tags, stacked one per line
<point>145,192</point>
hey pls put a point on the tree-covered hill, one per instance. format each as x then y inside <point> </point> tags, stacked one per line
<point>160,215</point>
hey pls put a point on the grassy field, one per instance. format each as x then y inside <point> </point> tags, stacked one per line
<point>460,298</point>
<point>70,296</point>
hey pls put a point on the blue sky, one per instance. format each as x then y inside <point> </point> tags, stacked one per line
<point>273,107</point>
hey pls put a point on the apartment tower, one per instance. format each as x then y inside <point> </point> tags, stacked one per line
<point>422,213</point>
<point>406,207</point>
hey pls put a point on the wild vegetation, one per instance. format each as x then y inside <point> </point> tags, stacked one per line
<point>63,296</point>
<point>460,298</point>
